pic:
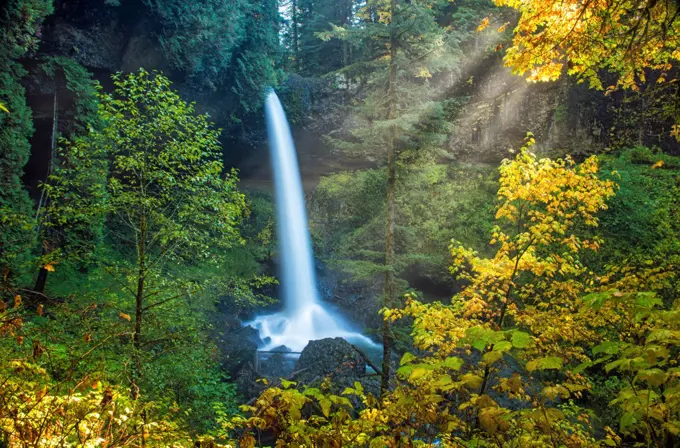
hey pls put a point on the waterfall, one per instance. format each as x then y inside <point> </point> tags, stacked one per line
<point>304,318</point>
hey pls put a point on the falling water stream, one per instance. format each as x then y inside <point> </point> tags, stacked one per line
<point>304,318</point>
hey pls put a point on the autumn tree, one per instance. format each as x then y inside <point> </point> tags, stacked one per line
<point>627,38</point>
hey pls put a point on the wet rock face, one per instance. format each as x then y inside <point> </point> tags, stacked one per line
<point>356,300</point>
<point>330,357</point>
<point>276,365</point>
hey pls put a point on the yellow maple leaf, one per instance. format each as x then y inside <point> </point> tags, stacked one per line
<point>482,26</point>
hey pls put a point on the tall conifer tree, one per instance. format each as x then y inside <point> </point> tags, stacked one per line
<point>401,116</point>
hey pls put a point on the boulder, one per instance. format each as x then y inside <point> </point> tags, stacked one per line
<point>331,357</point>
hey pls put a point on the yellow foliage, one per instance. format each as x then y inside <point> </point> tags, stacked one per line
<point>626,37</point>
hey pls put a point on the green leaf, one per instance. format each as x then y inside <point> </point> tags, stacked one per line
<point>417,373</point>
<point>647,300</point>
<point>654,377</point>
<point>325,406</point>
<point>663,335</point>
<point>453,363</point>
<point>492,357</point>
<point>472,381</point>
<point>596,300</point>
<point>521,339</point>
<point>548,363</point>
<point>287,384</point>
<point>443,381</point>
<point>613,365</point>
<point>583,366</point>
<point>502,346</point>
<point>627,420</point>
<point>479,345</point>
<point>609,348</point>
<point>407,358</point>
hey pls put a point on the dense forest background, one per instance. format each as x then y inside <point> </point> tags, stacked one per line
<point>518,156</point>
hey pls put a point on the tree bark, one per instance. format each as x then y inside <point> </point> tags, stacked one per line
<point>139,314</point>
<point>346,15</point>
<point>41,281</point>
<point>389,287</point>
<point>296,45</point>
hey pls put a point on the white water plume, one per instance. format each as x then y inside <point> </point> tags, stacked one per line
<point>304,317</point>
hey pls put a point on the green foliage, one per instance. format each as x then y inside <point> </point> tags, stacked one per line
<point>16,209</point>
<point>199,37</point>
<point>166,168</point>
<point>72,206</point>
<point>309,54</point>
<point>435,203</point>
<point>77,203</point>
<point>254,67</point>
<point>54,392</point>
<point>156,174</point>
<point>641,352</point>
<point>20,21</point>
<point>641,226</point>
<point>238,278</point>
<point>79,83</point>
<point>422,51</point>
<point>222,43</point>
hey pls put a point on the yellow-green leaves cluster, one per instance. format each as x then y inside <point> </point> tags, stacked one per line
<point>625,37</point>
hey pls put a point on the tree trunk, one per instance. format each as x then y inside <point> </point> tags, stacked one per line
<point>389,287</point>
<point>296,45</point>
<point>139,314</point>
<point>346,15</point>
<point>41,281</point>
